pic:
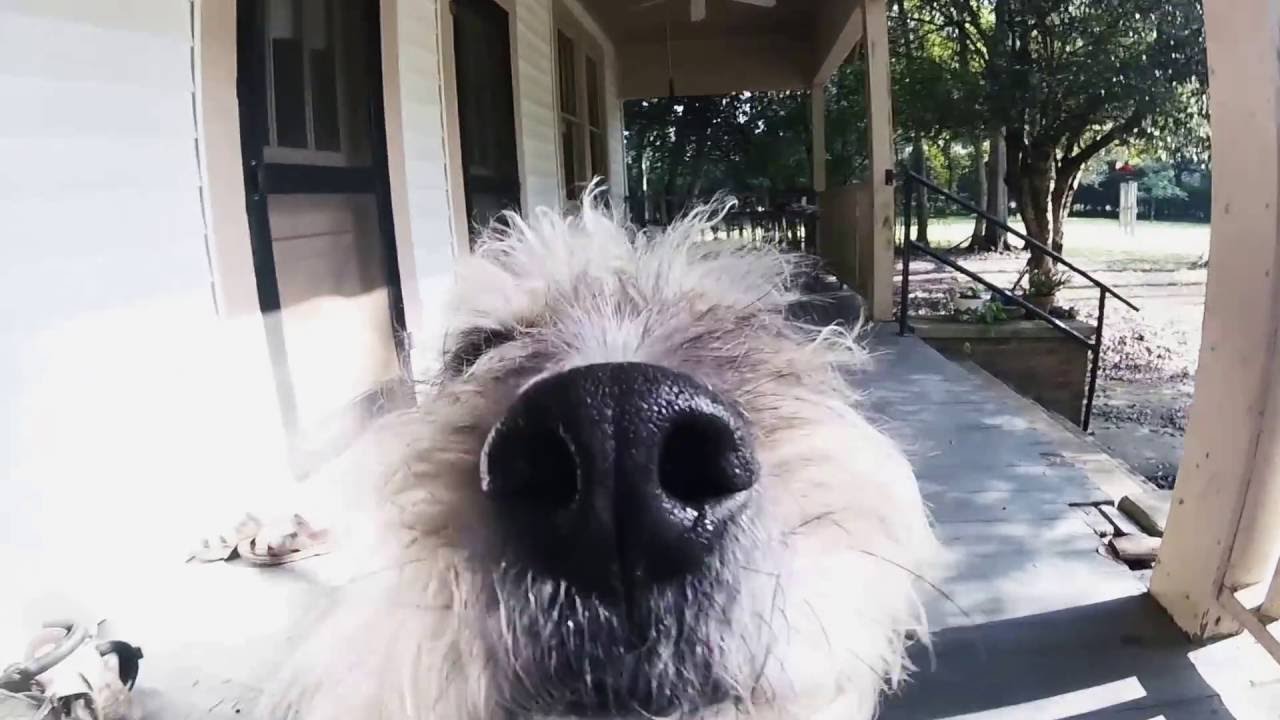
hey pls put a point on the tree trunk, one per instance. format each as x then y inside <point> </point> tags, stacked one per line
<point>922,194</point>
<point>682,138</point>
<point>949,158</point>
<point>1046,192</point>
<point>1065,182</point>
<point>980,174</point>
<point>995,238</point>
<point>1035,186</point>
<point>1002,160</point>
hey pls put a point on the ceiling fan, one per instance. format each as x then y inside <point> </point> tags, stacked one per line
<point>698,8</point>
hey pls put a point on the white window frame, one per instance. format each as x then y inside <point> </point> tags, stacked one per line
<point>273,152</point>
<point>582,126</point>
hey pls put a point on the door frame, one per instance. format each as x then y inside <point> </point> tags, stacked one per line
<point>453,121</point>
<point>469,190</point>
<point>262,179</point>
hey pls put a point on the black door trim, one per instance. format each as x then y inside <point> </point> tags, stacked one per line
<point>251,92</point>
<point>285,179</point>
<point>382,188</point>
<point>262,178</point>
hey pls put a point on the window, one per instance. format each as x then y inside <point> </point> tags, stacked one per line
<point>595,119</point>
<point>570,122</point>
<point>581,108</point>
<point>302,59</point>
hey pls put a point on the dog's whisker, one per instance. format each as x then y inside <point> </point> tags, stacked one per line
<point>928,583</point>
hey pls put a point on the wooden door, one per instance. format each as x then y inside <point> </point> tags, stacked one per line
<point>315,167</point>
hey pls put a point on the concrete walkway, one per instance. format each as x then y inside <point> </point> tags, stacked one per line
<point>1029,619</point>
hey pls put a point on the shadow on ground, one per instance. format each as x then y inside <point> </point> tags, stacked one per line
<point>1122,658</point>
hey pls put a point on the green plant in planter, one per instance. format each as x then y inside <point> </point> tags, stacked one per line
<point>1043,287</point>
<point>1045,283</point>
<point>970,298</point>
<point>991,313</point>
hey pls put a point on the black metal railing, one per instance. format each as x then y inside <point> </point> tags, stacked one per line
<point>1094,346</point>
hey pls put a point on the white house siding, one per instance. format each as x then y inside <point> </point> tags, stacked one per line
<point>428,200</point>
<point>535,88</point>
<point>429,232</point>
<point>99,188</point>
<point>126,407</point>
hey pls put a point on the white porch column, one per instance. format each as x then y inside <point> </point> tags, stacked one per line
<point>877,255</point>
<point>1226,509</point>
<point>818,128</point>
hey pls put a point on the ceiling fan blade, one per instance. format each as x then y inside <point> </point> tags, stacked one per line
<point>698,10</point>
<point>759,3</point>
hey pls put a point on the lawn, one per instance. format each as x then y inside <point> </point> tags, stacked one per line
<point>1098,239</point>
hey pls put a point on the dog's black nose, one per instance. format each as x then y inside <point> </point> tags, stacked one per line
<point>618,476</point>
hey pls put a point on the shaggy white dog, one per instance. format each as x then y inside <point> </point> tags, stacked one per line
<point>637,489</point>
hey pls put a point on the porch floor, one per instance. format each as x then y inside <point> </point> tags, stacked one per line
<point>1035,621</point>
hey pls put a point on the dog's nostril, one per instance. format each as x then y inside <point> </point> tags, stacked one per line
<point>702,459</point>
<point>605,476</point>
<point>536,468</point>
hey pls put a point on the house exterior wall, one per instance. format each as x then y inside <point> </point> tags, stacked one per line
<point>131,349</point>
<point>535,79</point>
<point>535,103</point>
<point>430,220</point>
<point>101,185</point>
<point>423,196</point>
<point>126,403</point>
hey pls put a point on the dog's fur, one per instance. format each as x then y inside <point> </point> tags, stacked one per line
<point>806,611</point>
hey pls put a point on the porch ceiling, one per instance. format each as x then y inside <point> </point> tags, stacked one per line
<point>737,47</point>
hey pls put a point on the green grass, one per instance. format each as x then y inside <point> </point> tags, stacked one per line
<point>1099,240</point>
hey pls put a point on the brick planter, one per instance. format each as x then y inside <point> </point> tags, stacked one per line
<point>1027,355</point>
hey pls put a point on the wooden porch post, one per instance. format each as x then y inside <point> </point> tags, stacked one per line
<point>1222,531</point>
<point>818,128</point>
<point>877,258</point>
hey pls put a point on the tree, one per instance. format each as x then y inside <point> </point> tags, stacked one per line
<point>996,41</point>
<point>1045,84</point>
<point>1178,190</point>
<point>683,149</point>
<point>1082,75</point>
<point>937,63</point>
<point>1159,182</point>
<point>847,123</point>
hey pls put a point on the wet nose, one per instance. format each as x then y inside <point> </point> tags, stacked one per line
<point>617,476</point>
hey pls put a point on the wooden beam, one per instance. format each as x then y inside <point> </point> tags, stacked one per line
<point>1271,603</point>
<point>833,52</point>
<point>1222,531</point>
<point>876,256</point>
<point>818,129</point>
<point>1248,620</point>
<point>717,64</point>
